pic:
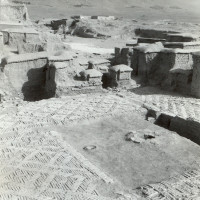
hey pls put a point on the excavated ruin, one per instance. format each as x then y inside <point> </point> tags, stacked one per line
<point>134,113</point>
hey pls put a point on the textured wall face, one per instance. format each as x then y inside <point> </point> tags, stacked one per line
<point>30,47</point>
<point>13,39</point>
<point>147,65</point>
<point>1,42</point>
<point>192,47</point>
<point>196,77</point>
<point>27,75</point>
<point>181,82</point>
<point>181,74</point>
<point>123,56</point>
<point>125,76</point>
<point>184,61</point>
<point>13,13</point>
<point>58,80</point>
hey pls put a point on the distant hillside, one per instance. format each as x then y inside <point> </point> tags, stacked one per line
<point>180,10</point>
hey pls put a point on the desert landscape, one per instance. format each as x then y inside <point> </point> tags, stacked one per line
<point>99,100</point>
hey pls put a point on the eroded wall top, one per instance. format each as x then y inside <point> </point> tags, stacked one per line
<point>13,13</point>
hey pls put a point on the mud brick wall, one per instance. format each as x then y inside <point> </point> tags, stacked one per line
<point>181,38</point>
<point>147,64</point>
<point>26,74</point>
<point>125,76</point>
<point>151,33</point>
<point>95,81</point>
<point>181,82</point>
<point>58,78</point>
<point>32,37</point>
<point>192,47</point>
<point>15,38</point>
<point>183,61</point>
<point>187,128</point>
<point>183,45</point>
<point>134,61</point>
<point>175,71</point>
<point>31,47</point>
<point>1,41</point>
<point>169,69</point>
<point>13,13</point>
<point>195,90</point>
<point>123,56</point>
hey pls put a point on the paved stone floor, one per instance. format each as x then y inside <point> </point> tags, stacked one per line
<point>184,186</point>
<point>36,164</point>
<point>182,106</point>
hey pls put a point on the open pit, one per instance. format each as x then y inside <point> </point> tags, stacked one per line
<point>98,108</point>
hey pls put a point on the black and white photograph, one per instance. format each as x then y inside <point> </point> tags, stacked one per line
<point>99,99</point>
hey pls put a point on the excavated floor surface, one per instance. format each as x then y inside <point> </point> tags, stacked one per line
<point>42,156</point>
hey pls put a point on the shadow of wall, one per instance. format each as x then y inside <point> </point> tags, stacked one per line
<point>34,88</point>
